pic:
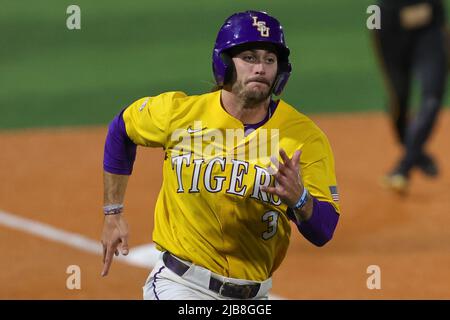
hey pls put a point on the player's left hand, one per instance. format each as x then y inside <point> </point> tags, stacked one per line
<point>288,181</point>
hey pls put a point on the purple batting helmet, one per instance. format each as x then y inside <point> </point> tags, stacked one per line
<point>248,27</point>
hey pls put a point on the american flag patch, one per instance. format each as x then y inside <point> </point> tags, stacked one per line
<point>334,193</point>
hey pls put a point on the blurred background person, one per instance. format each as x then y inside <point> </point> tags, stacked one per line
<point>412,44</point>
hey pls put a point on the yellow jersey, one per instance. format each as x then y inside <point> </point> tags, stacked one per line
<point>211,209</point>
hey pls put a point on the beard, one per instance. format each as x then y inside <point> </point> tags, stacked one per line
<point>252,97</point>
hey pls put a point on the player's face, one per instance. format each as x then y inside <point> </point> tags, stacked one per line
<point>256,71</point>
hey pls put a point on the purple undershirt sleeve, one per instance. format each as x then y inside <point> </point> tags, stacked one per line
<point>120,151</point>
<point>320,227</point>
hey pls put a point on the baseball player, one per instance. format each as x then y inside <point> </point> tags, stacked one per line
<point>238,167</point>
<point>412,43</point>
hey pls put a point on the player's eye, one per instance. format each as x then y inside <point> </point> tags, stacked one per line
<point>270,60</point>
<point>249,58</point>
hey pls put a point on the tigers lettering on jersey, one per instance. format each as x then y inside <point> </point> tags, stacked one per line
<point>213,183</point>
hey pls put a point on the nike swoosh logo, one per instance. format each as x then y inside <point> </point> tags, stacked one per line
<point>191,131</point>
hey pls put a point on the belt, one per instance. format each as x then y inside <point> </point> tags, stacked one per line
<point>226,289</point>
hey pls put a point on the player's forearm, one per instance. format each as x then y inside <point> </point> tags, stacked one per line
<point>319,227</point>
<point>114,187</point>
<point>118,161</point>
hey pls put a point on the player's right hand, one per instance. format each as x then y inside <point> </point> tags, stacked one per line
<point>114,235</point>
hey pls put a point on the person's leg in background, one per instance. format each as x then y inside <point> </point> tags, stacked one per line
<point>394,49</point>
<point>430,66</point>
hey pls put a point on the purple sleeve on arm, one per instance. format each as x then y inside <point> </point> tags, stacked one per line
<point>320,227</point>
<point>120,151</point>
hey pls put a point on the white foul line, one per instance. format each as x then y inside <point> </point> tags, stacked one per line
<point>48,232</point>
<point>143,256</point>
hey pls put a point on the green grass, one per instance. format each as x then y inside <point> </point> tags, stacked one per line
<point>51,76</point>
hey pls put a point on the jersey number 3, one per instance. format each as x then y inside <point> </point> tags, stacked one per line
<point>271,218</point>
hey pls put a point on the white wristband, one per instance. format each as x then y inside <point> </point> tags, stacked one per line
<point>302,201</point>
<point>113,209</point>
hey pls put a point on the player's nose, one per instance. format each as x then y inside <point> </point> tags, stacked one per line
<point>259,68</point>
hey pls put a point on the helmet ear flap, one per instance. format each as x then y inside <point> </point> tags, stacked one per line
<point>229,67</point>
<point>284,71</point>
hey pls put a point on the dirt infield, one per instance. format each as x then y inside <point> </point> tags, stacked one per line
<point>54,176</point>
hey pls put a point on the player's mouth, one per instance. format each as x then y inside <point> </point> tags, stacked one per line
<point>259,80</point>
